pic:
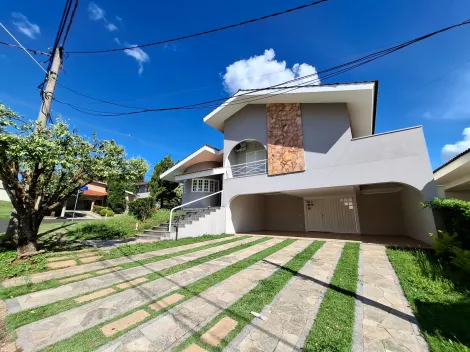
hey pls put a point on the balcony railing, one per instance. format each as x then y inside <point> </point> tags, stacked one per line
<point>252,168</point>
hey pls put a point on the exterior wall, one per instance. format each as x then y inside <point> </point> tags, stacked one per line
<point>99,187</point>
<point>418,221</point>
<point>3,193</point>
<point>189,195</point>
<point>380,214</point>
<point>332,157</point>
<point>211,224</point>
<point>284,213</point>
<point>235,158</point>
<point>202,166</point>
<point>246,214</point>
<point>462,195</point>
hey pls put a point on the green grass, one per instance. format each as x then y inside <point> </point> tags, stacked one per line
<point>28,316</point>
<point>5,209</point>
<point>38,263</point>
<point>15,291</point>
<point>334,324</point>
<point>439,295</point>
<point>255,300</point>
<point>93,338</point>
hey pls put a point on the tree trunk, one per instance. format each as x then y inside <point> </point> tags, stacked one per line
<point>28,228</point>
<point>11,235</point>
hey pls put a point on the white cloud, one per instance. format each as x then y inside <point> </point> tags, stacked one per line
<point>24,26</point>
<point>451,150</point>
<point>95,13</point>
<point>117,41</point>
<point>139,55</point>
<point>264,71</point>
<point>111,27</point>
<point>119,18</point>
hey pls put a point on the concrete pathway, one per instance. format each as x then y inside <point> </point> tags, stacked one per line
<point>171,328</point>
<point>384,320</point>
<point>42,333</point>
<point>60,273</point>
<point>78,288</point>
<point>291,315</point>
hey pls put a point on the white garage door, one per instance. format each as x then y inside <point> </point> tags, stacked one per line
<point>331,215</point>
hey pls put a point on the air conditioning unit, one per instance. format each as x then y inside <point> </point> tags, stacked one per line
<point>240,147</point>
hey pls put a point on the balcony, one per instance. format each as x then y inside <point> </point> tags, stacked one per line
<point>252,168</point>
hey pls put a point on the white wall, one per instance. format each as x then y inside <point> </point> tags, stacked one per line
<point>246,214</point>
<point>284,213</point>
<point>211,224</point>
<point>3,193</point>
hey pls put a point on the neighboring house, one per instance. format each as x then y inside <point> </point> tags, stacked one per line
<point>142,190</point>
<point>3,193</point>
<point>453,177</point>
<point>309,160</point>
<point>96,194</point>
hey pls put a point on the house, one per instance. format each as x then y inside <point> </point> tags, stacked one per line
<point>96,194</point>
<point>308,159</point>
<point>453,177</point>
<point>3,193</point>
<point>142,189</point>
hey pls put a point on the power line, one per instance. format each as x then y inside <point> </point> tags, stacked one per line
<point>34,51</point>
<point>330,72</point>
<point>205,32</point>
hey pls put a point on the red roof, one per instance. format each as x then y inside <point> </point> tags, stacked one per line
<point>90,192</point>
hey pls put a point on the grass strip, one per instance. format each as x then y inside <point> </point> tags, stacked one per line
<point>255,300</point>
<point>31,315</point>
<point>93,338</point>
<point>334,324</point>
<point>38,263</point>
<point>439,296</point>
<point>14,291</point>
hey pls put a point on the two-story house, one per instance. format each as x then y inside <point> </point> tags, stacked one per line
<point>308,159</point>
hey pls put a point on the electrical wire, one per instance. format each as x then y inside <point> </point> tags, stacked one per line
<point>34,51</point>
<point>301,7</point>
<point>331,72</point>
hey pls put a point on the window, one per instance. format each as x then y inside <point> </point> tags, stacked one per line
<point>348,202</point>
<point>256,155</point>
<point>205,185</point>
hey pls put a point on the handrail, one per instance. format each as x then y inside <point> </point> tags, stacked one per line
<point>182,205</point>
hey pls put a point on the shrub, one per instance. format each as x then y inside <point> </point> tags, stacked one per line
<point>445,243</point>
<point>142,208</point>
<point>106,212</point>
<point>461,259</point>
<point>97,208</point>
<point>455,215</point>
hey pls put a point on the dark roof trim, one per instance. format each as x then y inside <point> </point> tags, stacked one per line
<point>374,114</point>
<point>452,160</point>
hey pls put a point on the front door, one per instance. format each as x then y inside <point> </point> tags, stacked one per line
<point>331,215</point>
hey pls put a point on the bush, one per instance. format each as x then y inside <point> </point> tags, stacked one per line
<point>97,208</point>
<point>461,260</point>
<point>106,212</point>
<point>445,243</point>
<point>142,208</point>
<point>455,215</point>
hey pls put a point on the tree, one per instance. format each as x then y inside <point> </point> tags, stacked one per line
<point>117,194</point>
<point>41,167</point>
<point>162,190</point>
<point>142,208</point>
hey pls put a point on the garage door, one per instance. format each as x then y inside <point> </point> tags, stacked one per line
<point>331,215</point>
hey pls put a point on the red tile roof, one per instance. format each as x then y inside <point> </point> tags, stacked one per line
<point>90,192</point>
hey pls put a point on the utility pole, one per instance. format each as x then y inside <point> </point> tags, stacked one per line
<point>48,91</point>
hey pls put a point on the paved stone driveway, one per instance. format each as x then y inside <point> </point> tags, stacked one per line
<point>384,320</point>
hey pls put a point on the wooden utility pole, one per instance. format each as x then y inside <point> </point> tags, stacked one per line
<point>48,91</point>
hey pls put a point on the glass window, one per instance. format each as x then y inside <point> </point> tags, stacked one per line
<point>194,185</point>
<point>206,185</point>
<point>200,185</point>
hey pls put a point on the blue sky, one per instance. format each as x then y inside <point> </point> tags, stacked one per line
<point>427,84</point>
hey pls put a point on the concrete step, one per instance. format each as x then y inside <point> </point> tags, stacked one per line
<point>156,233</point>
<point>162,228</point>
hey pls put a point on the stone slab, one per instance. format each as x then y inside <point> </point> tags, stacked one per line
<point>95,295</point>
<point>87,254</point>
<point>124,323</point>
<point>90,259</point>
<point>57,274</point>
<point>217,333</point>
<point>71,290</point>
<point>132,283</point>
<point>194,348</point>
<point>165,302</point>
<point>57,259</point>
<point>169,329</point>
<point>107,271</point>
<point>289,318</point>
<point>62,264</point>
<point>42,333</point>
<point>75,278</point>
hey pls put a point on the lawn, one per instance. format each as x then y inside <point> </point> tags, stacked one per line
<point>5,209</point>
<point>439,295</point>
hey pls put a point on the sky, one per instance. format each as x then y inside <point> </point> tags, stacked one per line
<point>426,84</point>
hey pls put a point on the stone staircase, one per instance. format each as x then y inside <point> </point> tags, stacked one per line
<point>190,216</point>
